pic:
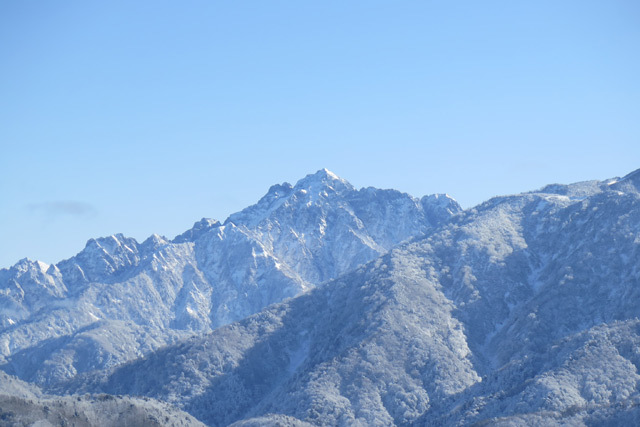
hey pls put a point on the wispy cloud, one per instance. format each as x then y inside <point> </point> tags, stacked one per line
<point>63,208</point>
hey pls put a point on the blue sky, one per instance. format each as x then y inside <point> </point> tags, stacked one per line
<point>142,117</point>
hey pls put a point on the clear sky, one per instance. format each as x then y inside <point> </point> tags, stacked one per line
<point>142,117</point>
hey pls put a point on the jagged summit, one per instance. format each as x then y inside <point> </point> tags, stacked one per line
<point>328,173</point>
<point>26,264</point>
<point>321,180</point>
<point>110,243</point>
<point>321,185</point>
<point>198,229</point>
<point>313,189</point>
<point>442,200</point>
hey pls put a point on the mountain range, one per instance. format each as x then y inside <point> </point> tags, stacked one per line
<point>327,305</point>
<point>119,299</point>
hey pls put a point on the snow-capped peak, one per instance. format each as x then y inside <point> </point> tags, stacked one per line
<point>153,243</point>
<point>321,181</point>
<point>26,264</point>
<point>199,228</point>
<point>111,244</point>
<point>441,199</point>
<point>329,173</point>
<point>311,187</point>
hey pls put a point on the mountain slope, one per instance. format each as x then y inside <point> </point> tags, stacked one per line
<point>119,299</point>
<point>523,309</point>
